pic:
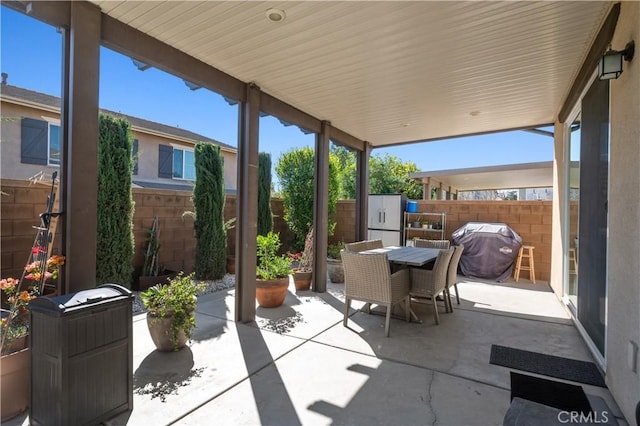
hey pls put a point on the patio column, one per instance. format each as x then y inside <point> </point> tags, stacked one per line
<point>426,189</point>
<point>362,192</point>
<point>79,126</point>
<point>247,205</point>
<point>321,208</point>
<point>440,192</point>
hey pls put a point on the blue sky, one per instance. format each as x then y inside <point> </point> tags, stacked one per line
<point>31,55</point>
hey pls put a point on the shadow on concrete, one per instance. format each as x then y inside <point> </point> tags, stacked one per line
<point>163,373</point>
<point>271,397</point>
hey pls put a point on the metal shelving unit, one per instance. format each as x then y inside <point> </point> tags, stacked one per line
<point>429,219</point>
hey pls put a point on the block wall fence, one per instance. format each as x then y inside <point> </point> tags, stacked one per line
<point>530,219</point>
<point>21,203</point>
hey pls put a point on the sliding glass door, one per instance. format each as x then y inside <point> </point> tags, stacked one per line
<point>588,187</point>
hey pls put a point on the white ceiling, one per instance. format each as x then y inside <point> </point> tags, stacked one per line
<point>389,72</point>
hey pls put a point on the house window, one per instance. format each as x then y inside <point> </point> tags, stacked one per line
<point>184,166</point>
<point>54,145</point>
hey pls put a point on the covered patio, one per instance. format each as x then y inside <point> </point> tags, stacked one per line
<point>297,364</point>
<point>366,77</point>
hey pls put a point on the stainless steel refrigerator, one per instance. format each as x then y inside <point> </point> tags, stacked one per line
<point>386,217</point>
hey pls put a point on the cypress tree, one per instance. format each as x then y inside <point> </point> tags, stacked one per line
<point>208,201</point>
<point>115,241</point>
<point>265,216</point>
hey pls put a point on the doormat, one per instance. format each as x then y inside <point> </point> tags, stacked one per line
<point>547,365</point>
<point>563,396</point>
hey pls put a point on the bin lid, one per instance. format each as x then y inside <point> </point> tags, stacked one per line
<point>73,302</point>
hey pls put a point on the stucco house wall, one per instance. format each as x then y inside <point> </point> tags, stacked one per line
<point>149,140</point>
<point>623,271</point>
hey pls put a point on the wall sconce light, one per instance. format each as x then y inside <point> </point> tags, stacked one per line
<point>610,65</point>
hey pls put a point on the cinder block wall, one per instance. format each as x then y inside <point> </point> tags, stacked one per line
<point>21,204</point>
<point>530,219</point>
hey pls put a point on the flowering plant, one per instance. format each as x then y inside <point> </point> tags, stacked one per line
<point>18,293</point>
<point>34,269</point>
<point>14,323</point>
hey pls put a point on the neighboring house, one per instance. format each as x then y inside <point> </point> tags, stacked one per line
<point>30,143</point>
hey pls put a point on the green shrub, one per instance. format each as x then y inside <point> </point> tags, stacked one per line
<point>115,241</point>
<point>295,170</point>
<point>265,216</point>
<point>270,264</point>
<point>208,201</point>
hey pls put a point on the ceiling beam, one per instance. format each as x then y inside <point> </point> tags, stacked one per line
<point>590,63</point>
<point>285,112</point>
<point>138,45</point>
<point>342,138</point>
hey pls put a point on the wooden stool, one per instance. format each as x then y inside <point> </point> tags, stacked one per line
<point>573,262</point>
<point>530,264</point>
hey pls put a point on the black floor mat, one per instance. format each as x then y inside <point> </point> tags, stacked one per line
<point>563,396</point>
<point>547,365</point>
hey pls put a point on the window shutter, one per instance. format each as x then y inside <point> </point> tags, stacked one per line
<point>134,153</point>
<point>165,161</point>
<point>33,148</point>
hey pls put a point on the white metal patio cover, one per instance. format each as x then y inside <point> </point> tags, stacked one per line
<point>389,72</point>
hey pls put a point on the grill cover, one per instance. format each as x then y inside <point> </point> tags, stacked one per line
<point>489,249</point>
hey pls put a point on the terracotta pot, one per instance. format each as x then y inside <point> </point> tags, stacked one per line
<point>231,264</point>
<point>160,331</point>
<point>271,293</point>
<point>15,383</point>
<point>335,270</point>
<point>302,280</point>
<point>146,281</point>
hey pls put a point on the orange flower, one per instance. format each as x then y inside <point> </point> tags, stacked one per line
<point>55,261</point>
<point>8,283</point>
<point>25,296</point>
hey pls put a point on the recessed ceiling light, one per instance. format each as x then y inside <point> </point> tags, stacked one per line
<point>474,113</point>
<point>406,124</point>
<point>275,15</point>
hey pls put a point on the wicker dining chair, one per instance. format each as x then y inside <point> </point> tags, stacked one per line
<point>363,245</point>
<point>429,283</point>
<point>452,274</point>
<point>438,244</point>
<point>368,278</point>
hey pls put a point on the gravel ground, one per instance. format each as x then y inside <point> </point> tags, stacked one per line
<point>228,281</point>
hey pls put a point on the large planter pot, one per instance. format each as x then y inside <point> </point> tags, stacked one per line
<point>302,280</point>
<point>161,333</point>
<point>231,264</point>
<point>15,383</point>
<point>271,293</point>
<point>146,281</point>
<point>335,270</point>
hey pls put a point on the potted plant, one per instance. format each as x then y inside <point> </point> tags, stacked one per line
<point>272,271</point>
<point>302,271</point>
<point>14,350</point>
<point>152,273</point>
<point>170,311</point>
<point>334,262</point>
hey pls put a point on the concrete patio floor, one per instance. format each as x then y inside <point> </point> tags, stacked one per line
<point>297,364</point>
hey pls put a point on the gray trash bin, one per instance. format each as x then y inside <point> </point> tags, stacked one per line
<point>81,356</point>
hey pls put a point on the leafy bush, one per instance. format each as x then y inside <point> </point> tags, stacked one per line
<point>333,250</point>
<point>208,201</point>
<point>265,216</point>
<point>177,300</point>
<point>295,170</point>
<point>115,241</point>
<point>270,264</point>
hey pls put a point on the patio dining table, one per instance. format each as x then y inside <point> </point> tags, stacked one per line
<point>406,256</point>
